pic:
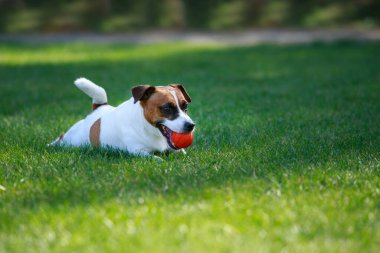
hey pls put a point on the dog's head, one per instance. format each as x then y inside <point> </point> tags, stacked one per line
<point>165,107</point>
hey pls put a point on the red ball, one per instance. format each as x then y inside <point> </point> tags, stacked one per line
<point>182,140</point>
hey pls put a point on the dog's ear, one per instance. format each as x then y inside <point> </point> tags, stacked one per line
<point>142,92</point>
<point>184,92</point>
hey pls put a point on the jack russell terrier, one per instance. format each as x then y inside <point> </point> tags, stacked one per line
<point>141,125</point>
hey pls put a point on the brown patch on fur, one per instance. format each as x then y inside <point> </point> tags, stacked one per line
<point>96,106</point>
<point>160,97</point>
<point>95,134</point>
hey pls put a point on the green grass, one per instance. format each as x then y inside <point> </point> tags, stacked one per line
<point>286,152</point>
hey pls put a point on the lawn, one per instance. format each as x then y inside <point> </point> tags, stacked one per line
<point>286,154</point>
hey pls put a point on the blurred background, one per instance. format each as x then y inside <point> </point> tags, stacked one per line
<point>46,16</point>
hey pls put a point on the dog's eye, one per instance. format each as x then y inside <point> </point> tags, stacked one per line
<point>167,109</point>
<point>184,106</point>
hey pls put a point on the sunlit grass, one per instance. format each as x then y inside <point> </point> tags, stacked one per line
<point>286,153</point>
<point>80,52</point>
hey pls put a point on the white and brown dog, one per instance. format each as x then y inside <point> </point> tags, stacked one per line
<point>141,125</point>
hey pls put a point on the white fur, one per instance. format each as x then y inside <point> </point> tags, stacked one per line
<point>123,127</point>
<point>97,93</point>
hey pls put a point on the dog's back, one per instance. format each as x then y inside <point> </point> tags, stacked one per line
<point>76,135</point>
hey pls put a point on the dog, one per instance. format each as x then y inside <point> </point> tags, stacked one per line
<point>141,125</point>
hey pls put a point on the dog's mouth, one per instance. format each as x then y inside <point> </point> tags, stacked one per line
<point>167,133</point>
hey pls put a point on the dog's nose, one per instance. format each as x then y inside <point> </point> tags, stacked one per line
<point>188,126</point>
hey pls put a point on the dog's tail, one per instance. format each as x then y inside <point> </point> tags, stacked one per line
<point>97,93</point>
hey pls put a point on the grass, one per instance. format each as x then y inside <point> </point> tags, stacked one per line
<point>286,155</point>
